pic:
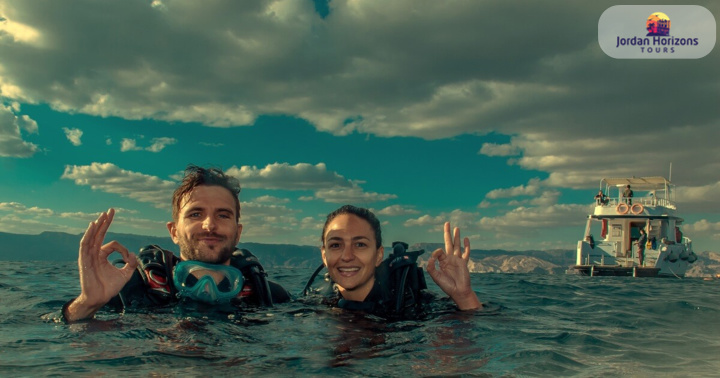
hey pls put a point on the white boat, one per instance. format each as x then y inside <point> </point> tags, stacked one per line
<point>619,220</point>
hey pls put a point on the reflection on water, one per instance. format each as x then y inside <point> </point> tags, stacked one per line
<point>536,325</point>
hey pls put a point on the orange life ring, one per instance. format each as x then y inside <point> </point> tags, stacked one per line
<point>637,208</point>
<point>622,208</point>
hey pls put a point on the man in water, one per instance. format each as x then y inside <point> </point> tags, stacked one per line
<point>352,250</point>
<point>206,214</point>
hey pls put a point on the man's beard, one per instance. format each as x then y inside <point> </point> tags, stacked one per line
<point>190,250</point>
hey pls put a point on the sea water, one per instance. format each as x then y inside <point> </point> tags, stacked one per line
<point>535,325</point>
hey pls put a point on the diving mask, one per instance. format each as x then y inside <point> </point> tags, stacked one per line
<point>210,283</point>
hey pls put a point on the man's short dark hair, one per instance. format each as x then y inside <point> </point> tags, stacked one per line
<point>360,212</point>
<point>196,176</point>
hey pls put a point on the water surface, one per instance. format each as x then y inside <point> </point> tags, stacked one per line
<point>537,325</point>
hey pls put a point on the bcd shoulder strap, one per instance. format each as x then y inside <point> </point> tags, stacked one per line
<point>253,271</point>
<point>405,279</point>
<point>155,266</point>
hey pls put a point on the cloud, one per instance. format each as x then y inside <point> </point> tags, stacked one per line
<point>457,218</point>
<point>546,198</point>
<point>34,211</point>
<point>396,210</point>
<point>260,220</point>
<point>301,176</point>
<point>271,199</point>
<point>354,194</point>
<point>310,223</point>
<point>21,219</point>
<point>11,142</point>
<point>19,32</point>
<point>536,217</point>
<point>18,208</point>
<point>73,135</point>
<point>536,193</point>
<point>28,124</point>
<point>492,149</point>
<point>13,223</point>
<point>109,178</point>
<point>128,144</point>
<point>157,144</point>
<point>702,229</point>
<point>277,213</point>
<point>269,54</point>
<point>514,229</point>
<point>436,71</point>
<point>532,188</point>
<point>699,198</point>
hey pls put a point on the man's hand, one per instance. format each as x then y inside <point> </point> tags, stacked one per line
<point>453,277</point>
<point>100,281</point>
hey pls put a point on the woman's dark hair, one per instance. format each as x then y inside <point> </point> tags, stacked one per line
<point>196,176</point>
<point>360,212</point>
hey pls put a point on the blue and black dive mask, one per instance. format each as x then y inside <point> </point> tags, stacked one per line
<point>209,283</point>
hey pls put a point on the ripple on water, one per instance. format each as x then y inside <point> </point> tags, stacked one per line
<point>533,325</point>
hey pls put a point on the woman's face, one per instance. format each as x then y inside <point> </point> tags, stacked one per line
<point>350,255</point>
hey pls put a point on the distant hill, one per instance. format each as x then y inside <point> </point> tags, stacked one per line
<point>58,246</point>
<point>707,265</point>
<point>501,261</point>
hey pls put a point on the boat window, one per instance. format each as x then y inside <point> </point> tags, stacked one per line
<point>616,231</point>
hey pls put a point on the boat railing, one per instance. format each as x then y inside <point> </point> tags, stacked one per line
<point>609,202</point>
<point>647,201</point>
<point>652,201</point>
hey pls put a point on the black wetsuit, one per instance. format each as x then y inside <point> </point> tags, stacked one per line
<point>380,302</point>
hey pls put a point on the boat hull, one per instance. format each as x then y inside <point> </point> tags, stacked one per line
<point>616,271</point>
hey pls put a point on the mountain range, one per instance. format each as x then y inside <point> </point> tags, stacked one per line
<point>58,246</point>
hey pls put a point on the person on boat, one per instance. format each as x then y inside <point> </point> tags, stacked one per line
<point>205,225</point>
<point>353,254</point>
<point>678,235</point>
<point>601,199</point>
<point>641,242</point>
<point>627,195</point>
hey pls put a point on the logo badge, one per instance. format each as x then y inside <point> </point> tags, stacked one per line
<point>627,32</point>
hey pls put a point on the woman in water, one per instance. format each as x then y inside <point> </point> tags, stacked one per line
<point>352,251</point>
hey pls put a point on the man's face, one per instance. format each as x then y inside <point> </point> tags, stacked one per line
<point>350,255</point>
<point>207,229</point>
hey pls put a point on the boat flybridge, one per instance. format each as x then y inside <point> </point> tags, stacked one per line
<point>620,215</point>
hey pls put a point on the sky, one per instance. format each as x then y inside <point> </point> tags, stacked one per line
<point>499,116</point>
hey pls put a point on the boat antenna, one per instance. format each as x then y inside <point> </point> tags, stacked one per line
<point>670,176</point>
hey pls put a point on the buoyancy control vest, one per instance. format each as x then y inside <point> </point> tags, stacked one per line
<point>155,267</point>
<point>399,278</point>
